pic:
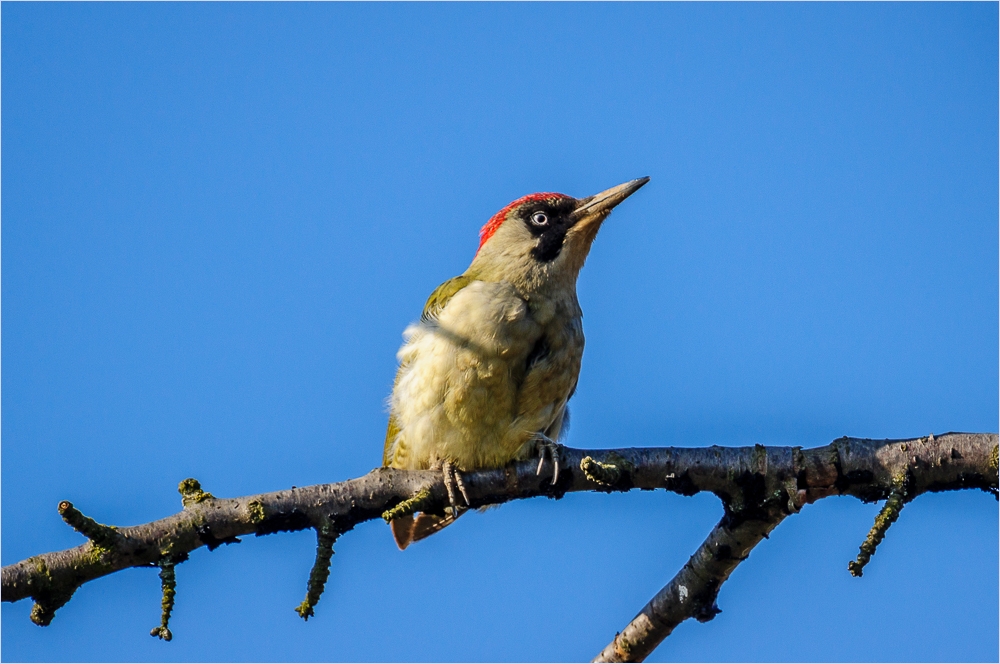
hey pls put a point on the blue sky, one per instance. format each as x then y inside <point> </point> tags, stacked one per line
<point>218,219</point>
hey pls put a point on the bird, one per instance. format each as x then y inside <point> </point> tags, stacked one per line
<point>485,375</point>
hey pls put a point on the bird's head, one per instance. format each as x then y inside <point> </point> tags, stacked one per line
<point>544,237</point>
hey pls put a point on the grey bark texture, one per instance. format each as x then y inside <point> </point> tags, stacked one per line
<point>759,487</point>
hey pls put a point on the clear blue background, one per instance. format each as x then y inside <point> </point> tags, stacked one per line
<point>218,219</point>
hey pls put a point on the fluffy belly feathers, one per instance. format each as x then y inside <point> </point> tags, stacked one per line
<point>478,383</point>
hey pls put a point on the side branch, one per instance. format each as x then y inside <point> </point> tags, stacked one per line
<point>692,593</point>
<point>886,517</point>
<point>781,485</point>
<point>758,485</point>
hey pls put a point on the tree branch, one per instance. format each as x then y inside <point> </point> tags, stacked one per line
<point>759,486</point>
<point>867,469</point>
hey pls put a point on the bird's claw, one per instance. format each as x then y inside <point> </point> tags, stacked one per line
<point>548,446</point>
<point>453,479</point>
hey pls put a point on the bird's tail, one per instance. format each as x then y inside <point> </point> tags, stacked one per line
<point>409,529</point>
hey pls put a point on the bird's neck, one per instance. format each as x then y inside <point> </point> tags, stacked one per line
<point>532,279</point>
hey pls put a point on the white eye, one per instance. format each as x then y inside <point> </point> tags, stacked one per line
<point>539,219</point>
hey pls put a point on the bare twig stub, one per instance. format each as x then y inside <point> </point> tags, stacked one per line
<point>758,485</point>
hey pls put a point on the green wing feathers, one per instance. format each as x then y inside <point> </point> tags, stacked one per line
<point>439,298</point>
<point>435,303</point>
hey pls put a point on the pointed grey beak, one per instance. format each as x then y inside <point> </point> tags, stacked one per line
<point>602,203</point>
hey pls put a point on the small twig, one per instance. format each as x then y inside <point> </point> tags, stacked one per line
<point>325,537</point>
<point>44,610</point>
<point>886,517</point>
<point>53,595</point>
<point>103,536</point>
<point>192,493</point>
<point>168,582</point>
<point>48,599</point>
<point>408,506</point>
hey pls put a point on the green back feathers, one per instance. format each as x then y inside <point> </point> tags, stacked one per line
<point>439,298</point>
<point>435,303</point>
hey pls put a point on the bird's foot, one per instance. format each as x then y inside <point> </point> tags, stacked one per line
<point>548,447</point>
<point>453,480</point>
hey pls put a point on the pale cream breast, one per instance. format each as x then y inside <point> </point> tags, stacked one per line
<point>457,392</point>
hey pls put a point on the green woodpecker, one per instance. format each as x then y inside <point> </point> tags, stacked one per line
<point>485,375</point>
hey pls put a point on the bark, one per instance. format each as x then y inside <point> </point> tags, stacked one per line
<point>759,486</point>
